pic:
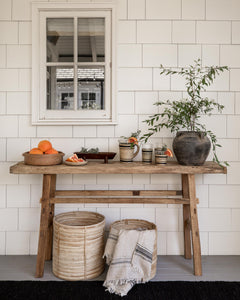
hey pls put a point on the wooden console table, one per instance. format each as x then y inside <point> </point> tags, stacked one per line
<point>185,196</point>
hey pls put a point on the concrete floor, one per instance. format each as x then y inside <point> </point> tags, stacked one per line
<point>169,268</point>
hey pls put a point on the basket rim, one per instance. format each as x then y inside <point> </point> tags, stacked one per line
<point>141,220</point>
<point>66,214</point>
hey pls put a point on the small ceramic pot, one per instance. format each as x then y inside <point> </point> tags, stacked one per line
<point>161,159</point>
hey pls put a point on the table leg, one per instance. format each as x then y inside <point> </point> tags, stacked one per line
<point>197,264</point>
<point>45,210</point>
<point>186,219</point>
<point>48,254</point>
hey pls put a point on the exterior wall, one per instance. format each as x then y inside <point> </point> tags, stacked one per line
<point>150,32</point>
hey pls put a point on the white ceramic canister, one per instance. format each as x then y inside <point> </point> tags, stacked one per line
<point>147,151</point>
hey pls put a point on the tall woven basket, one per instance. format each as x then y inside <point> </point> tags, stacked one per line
<point>129,224</point>
<point>78,245</point>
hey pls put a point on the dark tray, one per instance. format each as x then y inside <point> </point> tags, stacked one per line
<point>100,155</point>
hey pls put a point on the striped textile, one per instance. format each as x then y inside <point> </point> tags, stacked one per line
<point>129,255</point>
<point>143,252</point>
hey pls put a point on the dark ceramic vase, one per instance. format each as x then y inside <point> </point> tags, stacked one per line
<point>191,148</point>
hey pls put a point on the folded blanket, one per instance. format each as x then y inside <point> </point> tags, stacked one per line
<point>129,253</point>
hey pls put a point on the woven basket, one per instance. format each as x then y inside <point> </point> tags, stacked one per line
<point>140,224</point>
<point>78,245</point>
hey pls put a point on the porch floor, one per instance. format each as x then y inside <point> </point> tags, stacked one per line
<point>169,268</point>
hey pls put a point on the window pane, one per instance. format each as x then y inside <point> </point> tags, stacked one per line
<point>60,90</point>
<point>59,40</point>
<point>91,45</point>
<point>91,88</point>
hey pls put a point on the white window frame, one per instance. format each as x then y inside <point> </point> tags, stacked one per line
<point>40,114</point>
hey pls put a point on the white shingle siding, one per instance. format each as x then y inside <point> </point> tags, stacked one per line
<point>153,32</point>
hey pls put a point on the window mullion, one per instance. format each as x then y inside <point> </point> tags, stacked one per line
<point>75,62</point>
<point>91,64</point>
<point>59,64</point>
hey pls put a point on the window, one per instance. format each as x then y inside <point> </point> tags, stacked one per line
<point>73,64</point>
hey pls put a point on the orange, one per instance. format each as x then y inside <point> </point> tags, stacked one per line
<point>51,151</point>
<point>44,145</point>
<point>133,140</point>
<point>168,152</point>
<point>35,151</point>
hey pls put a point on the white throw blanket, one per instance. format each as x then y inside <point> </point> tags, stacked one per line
<point>129,254</point>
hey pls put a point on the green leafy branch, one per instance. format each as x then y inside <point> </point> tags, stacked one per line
<point>186,113</point>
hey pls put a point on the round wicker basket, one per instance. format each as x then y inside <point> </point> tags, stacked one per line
<point>129,224</point>
<point>78,245</point>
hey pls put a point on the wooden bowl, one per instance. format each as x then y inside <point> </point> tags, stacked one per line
<point>43,159</point>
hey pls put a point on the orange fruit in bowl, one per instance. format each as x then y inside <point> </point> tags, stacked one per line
<point>51,151</point>
<point>168,152</point>
<point>44,145</point>
<point>35,151</point>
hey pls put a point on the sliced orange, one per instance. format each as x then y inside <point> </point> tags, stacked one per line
<point>74,158</point>
<point>168,152</point>
<point>133,140</point>
<point>69,159</point>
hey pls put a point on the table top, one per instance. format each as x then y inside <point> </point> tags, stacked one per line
<point>116,167</point>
